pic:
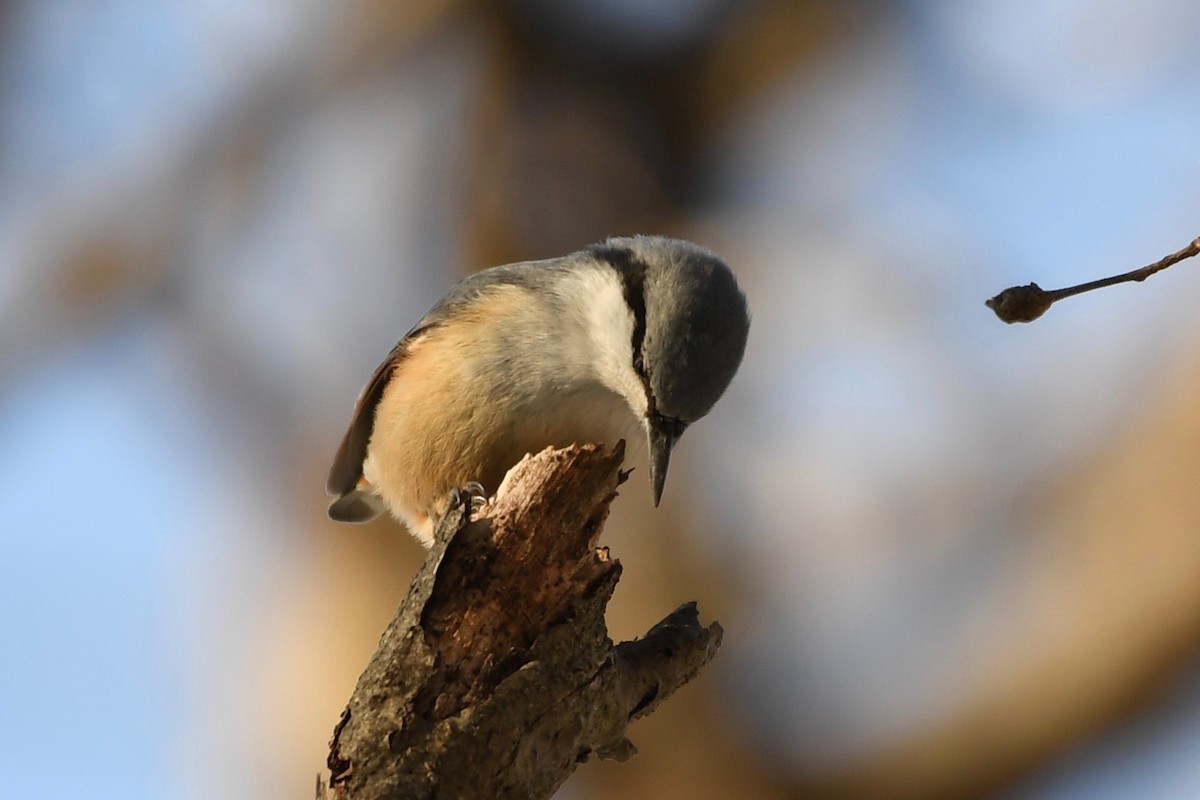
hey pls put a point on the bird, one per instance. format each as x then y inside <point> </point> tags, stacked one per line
<point>634,339</point>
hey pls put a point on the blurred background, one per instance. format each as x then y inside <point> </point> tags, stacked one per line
<point>953,558</point>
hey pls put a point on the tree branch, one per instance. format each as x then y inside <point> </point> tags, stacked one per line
<point>1027,303</point>
<point>497,678</point>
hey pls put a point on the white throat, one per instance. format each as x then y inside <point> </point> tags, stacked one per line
<point>596,297</point>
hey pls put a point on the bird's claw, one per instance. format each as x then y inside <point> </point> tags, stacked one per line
<point>471,497</point>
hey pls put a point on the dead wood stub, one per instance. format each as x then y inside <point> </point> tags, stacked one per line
<point>497,676</point>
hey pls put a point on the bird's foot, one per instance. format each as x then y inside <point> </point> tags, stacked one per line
<point>460,506</point>
<point>471,498</point>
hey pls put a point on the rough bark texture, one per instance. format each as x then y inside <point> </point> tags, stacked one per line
<point>497,678</point>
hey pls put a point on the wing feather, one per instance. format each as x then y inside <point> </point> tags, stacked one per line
<point>347,466</point>
<point>348,462</point>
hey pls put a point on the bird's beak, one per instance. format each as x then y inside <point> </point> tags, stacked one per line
<point>663,436</point>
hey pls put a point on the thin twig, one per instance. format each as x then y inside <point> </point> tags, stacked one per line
<point>1027,303</point>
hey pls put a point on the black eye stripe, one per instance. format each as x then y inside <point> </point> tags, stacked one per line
<point>632,273</point>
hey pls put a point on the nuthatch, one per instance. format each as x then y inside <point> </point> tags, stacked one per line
<point>636,337</point>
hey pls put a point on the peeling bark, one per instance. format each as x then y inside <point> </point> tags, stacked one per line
<point>497,678</point>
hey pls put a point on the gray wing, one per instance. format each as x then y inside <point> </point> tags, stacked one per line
<point>348,462</point>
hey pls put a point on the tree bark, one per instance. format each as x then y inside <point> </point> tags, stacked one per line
<point>496,678</point>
